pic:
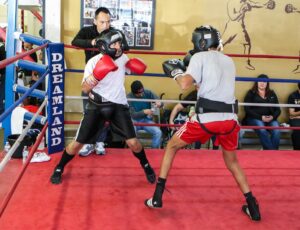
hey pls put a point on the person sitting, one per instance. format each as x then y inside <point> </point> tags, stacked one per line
<point>178,110</point>
<point>143,111</point>
<point>263,115</point>
<point>294,114</point>
<point>29,74</point>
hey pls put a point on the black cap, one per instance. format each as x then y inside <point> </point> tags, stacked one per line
<point>263,76</point>
<point>137,87</point>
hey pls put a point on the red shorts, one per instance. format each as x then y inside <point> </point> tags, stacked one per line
<point>191,131</point>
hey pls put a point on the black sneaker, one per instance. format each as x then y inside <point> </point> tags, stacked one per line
<point>56,176</point>
<point>150,174</point>
<point>252,209</point>
<point>153,204</point>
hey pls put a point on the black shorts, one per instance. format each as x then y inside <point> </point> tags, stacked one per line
<point>95,117</point>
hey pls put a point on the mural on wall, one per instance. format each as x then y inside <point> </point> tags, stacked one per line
<point>235,28</point>
<point>289,9</point>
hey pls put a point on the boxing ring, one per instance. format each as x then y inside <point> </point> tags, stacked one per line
<point>108,192</point>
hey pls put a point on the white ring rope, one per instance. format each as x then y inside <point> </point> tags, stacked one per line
<point>194,102</point>
<point>21,137</point>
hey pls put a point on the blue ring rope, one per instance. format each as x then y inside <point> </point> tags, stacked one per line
<point>237,78</point>
<point>14,105</point>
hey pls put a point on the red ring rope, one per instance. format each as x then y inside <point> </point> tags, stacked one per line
<point>179,125</point>
<point>184,53</point>
<point>20,56</point>
<point>15,184</point>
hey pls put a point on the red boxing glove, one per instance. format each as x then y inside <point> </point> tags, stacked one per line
<point>136,65</point>
<point>103,67</point>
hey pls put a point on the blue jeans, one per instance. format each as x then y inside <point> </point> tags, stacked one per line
<point>268,138</point>
<point>153,130</point>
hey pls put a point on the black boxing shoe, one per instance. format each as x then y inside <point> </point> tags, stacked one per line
<point>252,209</point>
<point>150,174</point>
<point>56,176</point>
<point>150,203</point>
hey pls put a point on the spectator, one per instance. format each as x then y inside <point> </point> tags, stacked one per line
<point>179,107</point>
<point>263,115</point>
<point>192,96</point>
<point>143,111</point>
<point>29,74</point>
<point>294,114</point>
<point>86,38</point>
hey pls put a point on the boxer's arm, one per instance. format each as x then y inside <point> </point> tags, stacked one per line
<point>100,71</point>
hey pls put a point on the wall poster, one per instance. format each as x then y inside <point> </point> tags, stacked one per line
<point>134,17</point>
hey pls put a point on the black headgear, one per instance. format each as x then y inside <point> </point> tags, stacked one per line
<point>106,38</point>
<point>205,37</point>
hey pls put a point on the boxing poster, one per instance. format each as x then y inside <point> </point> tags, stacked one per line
<point>134,17</point>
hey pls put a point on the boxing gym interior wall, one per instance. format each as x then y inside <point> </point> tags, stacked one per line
<point>259,28</point>
<point>262,28</point>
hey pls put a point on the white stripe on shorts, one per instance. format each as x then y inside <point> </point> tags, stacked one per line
<point>181,130</point>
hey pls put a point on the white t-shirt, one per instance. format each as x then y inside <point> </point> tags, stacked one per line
<point>214,73</point>
<point>112,86</point>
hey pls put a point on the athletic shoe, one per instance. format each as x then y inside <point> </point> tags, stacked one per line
<point>252,209</point>
<point>150,174</point>
<point>153,204</point>
<point>86,150</point>
<point>100,150</point>
<point>56,176</point>
<point>40,157</point>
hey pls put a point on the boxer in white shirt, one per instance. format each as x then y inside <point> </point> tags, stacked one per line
<point>103,81</point>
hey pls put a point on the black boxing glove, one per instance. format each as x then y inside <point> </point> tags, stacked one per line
<point>173,68</point>
<point>187,58</point>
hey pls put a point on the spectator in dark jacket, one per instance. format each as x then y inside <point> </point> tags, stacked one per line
<point>294,114</point>
<point>86,38</point>
<point>263,115</point>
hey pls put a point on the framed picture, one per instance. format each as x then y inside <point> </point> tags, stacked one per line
<point>134,17</point>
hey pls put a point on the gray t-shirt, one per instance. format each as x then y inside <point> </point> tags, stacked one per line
<point>214,73</point>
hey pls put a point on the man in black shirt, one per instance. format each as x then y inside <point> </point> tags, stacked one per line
<point>294,114</point>
<point>86,38</point>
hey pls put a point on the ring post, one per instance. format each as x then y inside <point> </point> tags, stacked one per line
<point>35,93</point>
<point>32,39</point>
<point>55,109</point>
<point>32,66</point>
<point>10,70</point>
